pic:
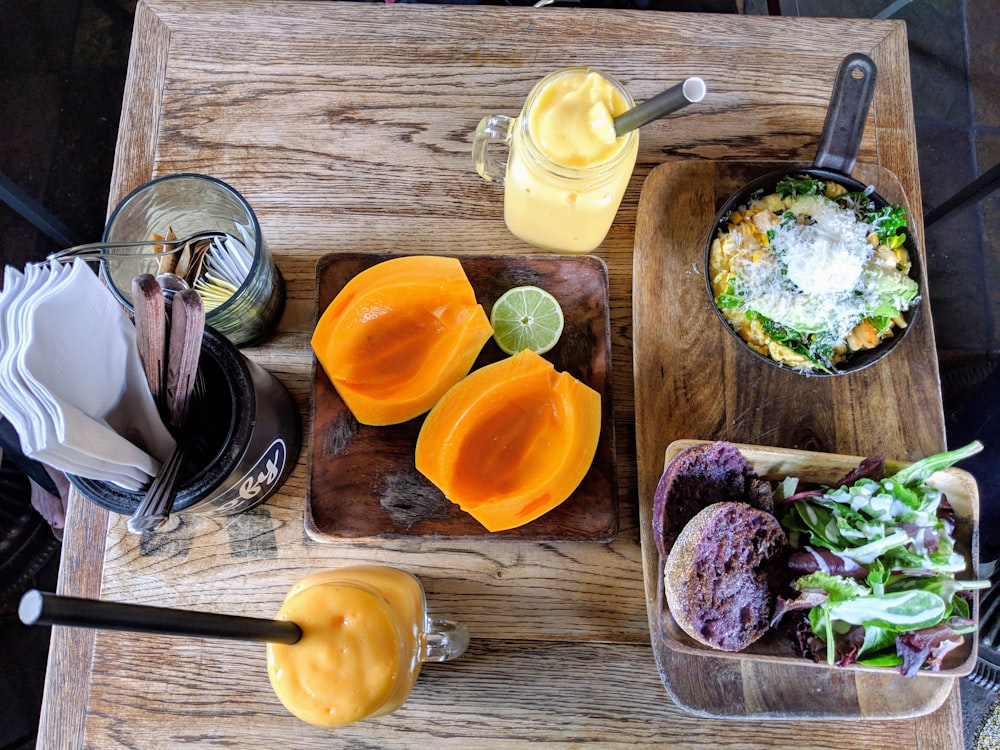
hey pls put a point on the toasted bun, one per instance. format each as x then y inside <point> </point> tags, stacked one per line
<point>722,574</point>
<point>700,476</point>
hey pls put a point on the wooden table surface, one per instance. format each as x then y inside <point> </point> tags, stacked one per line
<point>348,127</point>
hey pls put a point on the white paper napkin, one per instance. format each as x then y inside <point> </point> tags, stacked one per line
<point>68,356</point>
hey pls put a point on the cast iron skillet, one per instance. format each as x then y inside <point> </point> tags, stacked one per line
<point>852,95</point>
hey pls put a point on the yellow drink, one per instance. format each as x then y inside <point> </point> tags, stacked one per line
<point>360,651</point>
<point>567,170</point>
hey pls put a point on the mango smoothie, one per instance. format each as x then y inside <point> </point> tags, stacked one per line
<point>567,170</point>
<point>360,651</point>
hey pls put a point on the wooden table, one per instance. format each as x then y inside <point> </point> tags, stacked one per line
<point>348,127</point>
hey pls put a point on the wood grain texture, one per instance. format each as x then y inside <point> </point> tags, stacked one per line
<point>347,126</point>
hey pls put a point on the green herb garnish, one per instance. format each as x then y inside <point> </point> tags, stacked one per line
<point>799,185</point>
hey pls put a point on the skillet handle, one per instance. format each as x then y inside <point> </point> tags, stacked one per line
<point>852,95</point>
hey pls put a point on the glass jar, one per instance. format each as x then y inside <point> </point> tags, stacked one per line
<point>548,201</point>
<point>185,204</point>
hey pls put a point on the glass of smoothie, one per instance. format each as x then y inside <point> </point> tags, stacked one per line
<point>365,633</point>
<point>566,169</point>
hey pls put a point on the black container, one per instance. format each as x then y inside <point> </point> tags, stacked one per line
<point>840,140</point>
<point>244,439</point>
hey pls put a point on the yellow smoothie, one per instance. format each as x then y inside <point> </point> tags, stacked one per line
<point>359,652</point>
<point>567,170</point>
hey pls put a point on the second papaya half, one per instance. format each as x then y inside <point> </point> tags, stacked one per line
<point>511,441</point>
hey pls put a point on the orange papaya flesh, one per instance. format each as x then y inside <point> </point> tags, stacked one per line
<point>389,396</point>
<point>398,335</point>
<point>406,269</point>
<point>511,441</point>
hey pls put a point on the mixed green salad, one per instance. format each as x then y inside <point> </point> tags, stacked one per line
<point>877,563</point>
<point>813,272</point>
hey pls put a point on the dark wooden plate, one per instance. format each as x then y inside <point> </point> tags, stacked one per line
<point>363,482</point>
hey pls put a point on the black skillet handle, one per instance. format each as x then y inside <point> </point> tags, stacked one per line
<point>852,95</point>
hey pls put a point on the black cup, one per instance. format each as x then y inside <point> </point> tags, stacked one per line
<point>242,438</point>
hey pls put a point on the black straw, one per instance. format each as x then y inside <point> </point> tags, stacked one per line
<point>41,608</point>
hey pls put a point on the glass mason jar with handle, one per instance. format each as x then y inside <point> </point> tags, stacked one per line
<point>566,170</point>
<point>365,632</point>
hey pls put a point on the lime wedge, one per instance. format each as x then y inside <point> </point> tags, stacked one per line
<point>526,317</point>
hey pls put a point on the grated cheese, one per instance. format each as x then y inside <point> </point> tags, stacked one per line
<point>817,276</point>
<point>825,257</point>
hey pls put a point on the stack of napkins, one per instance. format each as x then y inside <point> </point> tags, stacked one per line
<point>71,381</point>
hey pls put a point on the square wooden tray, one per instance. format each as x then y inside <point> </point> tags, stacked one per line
<point>363,482</point>
<point>775,464</point>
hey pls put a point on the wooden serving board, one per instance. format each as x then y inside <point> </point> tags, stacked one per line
<point>692,380</point>
<point>363,480</point>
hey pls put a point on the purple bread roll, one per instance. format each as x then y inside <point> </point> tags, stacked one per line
<point>722,575</point>
<point>700,476</point>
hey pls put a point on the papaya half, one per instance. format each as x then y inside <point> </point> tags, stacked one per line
<point>399,335</point>
<point>511,441</point>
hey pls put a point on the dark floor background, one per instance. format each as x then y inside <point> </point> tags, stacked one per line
<point>62,73</point>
